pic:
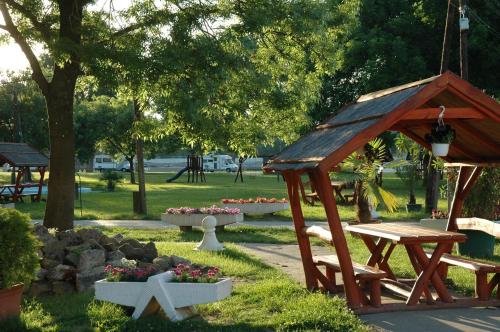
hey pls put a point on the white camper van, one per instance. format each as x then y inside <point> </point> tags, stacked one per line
<point>219,162</point>
<point>103,162</point>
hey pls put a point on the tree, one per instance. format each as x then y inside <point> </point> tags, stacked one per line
<point>73,35</point>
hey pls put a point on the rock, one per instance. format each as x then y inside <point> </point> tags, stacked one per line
<point>69,237</point>
<point>42,233</point>
<point>133,242</point>
<point>131,252</point>
<point>54,249</point>
<point>116,255</point>
<point>72,258</point>
<point>91,258</point>
<point>62,287</point>
<point>48,263</point>
<point>89,233</point>
<point>150,252</point>
<point>163,262</point>
<point>144,265</point>
<point>62,272</point>
<point>39,288</point>
<point>41,274</point>
<point>176,260</point>
<point>110,244</point>
<point>118,237</point>
<point>85,280</point>
<point>89,244</point>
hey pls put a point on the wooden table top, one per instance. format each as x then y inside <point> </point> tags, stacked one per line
<point>406,233</point>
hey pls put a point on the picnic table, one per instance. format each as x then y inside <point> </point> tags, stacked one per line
<point>378,236</point>
<point>337,187</point>
<point>12,192</point>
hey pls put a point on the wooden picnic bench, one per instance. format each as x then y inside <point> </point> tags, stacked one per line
<point>363,273</point>
<point>483,288</point>
<point>377,236</point>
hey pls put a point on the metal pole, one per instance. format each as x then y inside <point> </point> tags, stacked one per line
<point>448,31</point>
<point>464,65</point>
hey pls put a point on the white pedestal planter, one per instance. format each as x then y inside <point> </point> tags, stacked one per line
<point>190,220</point>
<point>439,224</point>
<point>176,299</point>
<point>209,241</point>
<point>259,208</point>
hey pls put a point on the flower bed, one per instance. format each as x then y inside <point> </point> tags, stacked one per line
<point>259,205</point>
<point>181,288</point>
<point>186,217</point>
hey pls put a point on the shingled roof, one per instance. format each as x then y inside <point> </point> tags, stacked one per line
<point>21,154</point>
<point>412,109</point>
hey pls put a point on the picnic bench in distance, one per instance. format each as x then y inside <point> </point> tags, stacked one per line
<point>21,157</point>
<point>337,187</point>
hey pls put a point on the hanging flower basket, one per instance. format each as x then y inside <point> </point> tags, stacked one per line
<point>440,138</point>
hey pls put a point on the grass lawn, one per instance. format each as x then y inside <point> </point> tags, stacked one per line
<point>264,299</point>
<point>161,195</point>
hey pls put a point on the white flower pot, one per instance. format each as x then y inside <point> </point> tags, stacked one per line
<point>176,299</point>
<point>259,208</point>
<point>440,149</point>
<point>185,294</point>
<point>196,219</point>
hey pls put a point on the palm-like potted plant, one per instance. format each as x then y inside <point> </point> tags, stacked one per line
<point>440,138</point>
<point>363,169</point>
<point>18,259</point>
<point>407,170</point>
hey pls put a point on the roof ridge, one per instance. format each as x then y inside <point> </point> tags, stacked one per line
<point>385,92</point>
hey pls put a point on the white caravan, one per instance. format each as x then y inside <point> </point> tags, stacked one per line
<point>219,162</point>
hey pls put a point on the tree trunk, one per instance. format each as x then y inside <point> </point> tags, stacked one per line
<point>132,170</point>
<point>432,188</point>
<point>59,211</point>
<point>363,214</point>
<point>140,162</point>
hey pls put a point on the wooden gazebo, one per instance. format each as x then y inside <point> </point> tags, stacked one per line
<point>411,109</point>
<point>21,157</point>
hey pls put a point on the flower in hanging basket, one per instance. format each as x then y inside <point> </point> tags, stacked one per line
<point>441,134</point>
<point>440,138</point>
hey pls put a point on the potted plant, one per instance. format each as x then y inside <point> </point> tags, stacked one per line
<point>258,205</point>
<point>111,178</point>
<point>365,168</point>
<point>438,220</point>
<point>18,259</point>
<point>440,138</point>
<point>187,217</point>
<point>407,170</point>
<point>176,291</point>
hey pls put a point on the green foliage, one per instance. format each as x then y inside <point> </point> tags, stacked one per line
<point>105,316</point>
<point>484,199</point>
<point>441,134</point>
<point>111,178</point>
<point>23,114</point>
<point>364,168</point>
<point>408,171</point>
<point>18,246</point>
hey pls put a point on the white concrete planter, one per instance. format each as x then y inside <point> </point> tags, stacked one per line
<point>440,149</point>
<point>176,299</point>
<point>258,208</point>
<point>8,206</point>
<point>439,224</point>
<point>196,219</point>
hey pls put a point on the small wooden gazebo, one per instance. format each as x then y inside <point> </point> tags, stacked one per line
<point>411,109</point>
<point>21,157</point>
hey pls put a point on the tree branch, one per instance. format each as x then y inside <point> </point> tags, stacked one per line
<point>39,26</point>
<point>37,74</point>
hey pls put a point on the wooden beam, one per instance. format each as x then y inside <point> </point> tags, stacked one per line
<point>477,135</point>
<point>292,182</point>
<point>324,188</point>
<point>473,164</point>
<point>450,113</point>
<point>458,199</point>
<point>381,93</point>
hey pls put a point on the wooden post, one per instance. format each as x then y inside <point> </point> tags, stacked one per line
<point>292,182</point>
<point>323,186</point>
<point>41,170</point>
<point>467,176</point>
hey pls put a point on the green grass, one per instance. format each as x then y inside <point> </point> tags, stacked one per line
<point>263,299</point>
<point>161,195</point>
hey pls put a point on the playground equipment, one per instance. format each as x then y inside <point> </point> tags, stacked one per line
<point>194,168</point>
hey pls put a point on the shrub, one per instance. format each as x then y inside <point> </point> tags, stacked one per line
<point>484,199</point>
<point>18,246</point>
<point>111,178</point>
